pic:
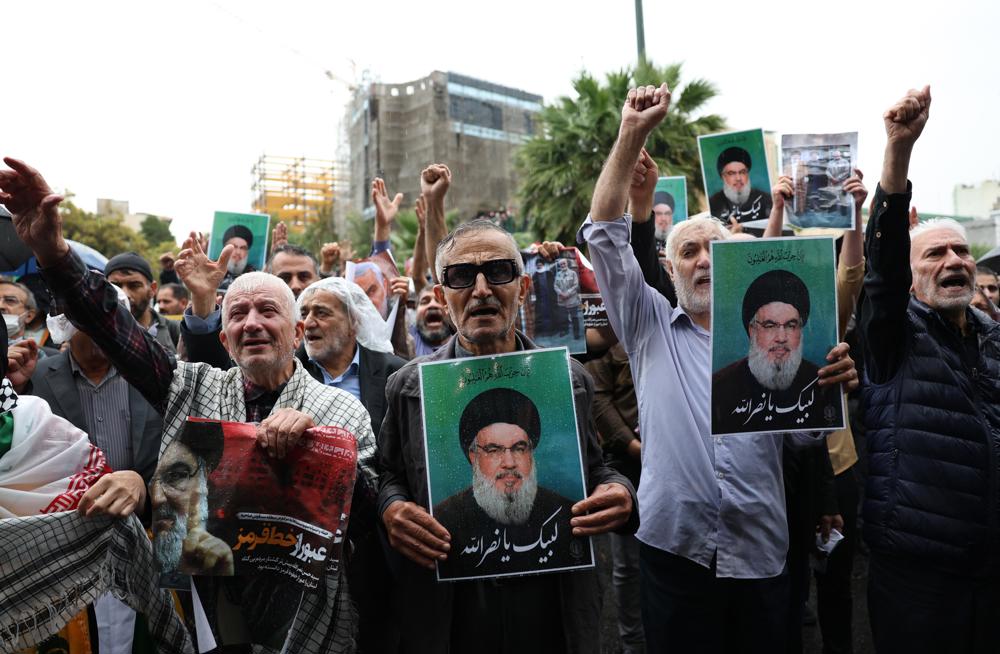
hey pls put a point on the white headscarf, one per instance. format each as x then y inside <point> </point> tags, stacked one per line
<point>372,331</point>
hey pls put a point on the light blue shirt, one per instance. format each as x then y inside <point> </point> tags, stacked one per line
<point>701,496</point>
<point>349,380</point>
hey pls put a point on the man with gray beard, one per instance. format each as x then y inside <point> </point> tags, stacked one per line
<point>498,433</point>
<point>737,199</point>
<point>775,311</point>
<point>179,495</point>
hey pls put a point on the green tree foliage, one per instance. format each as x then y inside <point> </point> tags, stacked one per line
<point>110,236</point>
<point>155,230</point>
<point>559,167</point>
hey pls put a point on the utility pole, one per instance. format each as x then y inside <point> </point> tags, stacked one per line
<point>640,32</point>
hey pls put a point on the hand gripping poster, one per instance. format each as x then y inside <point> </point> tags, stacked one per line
<point>774,320</point>
<point>503,463</point>
<point>221,506</point>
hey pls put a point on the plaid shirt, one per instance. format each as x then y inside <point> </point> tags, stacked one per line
<point>324,621</point>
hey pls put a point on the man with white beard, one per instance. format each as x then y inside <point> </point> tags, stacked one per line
<point>483,285</point>
<point>179,496</point>
<point>737,199</point>
<point>775,311</point>
<point>498,433</point>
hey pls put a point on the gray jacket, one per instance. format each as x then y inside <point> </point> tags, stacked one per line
<point>424,606</point>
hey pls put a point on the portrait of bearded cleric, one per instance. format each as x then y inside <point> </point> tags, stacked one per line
<point>773,387</point>
<point>504,522</point>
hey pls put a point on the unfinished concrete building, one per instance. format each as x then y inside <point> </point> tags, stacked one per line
<point>474,127</point>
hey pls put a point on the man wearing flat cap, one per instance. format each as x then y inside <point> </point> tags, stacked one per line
<point>179,496</point>
<point>498,433</point>
<point>133,274</point>
<point>737,199</point>
<point>773,374</point>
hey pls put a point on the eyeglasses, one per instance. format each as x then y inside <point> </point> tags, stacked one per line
<point>177,478</point>
<point>10,300</point>
<point>732,174</point>
<point>464,275</point>
<point>771,327</point>
<point>492,451</point>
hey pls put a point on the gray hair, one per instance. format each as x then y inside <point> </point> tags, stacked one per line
<point>30,304</point>
<point>254,281</point>
<point>369,327</point>
<point>938,223</point>
<point>688,225</point>
<point>467,229</point>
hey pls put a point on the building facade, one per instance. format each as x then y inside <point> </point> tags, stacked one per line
<point>472,126</point>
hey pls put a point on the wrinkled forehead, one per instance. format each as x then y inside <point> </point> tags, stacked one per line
<point>257,297</point>
<point>932,238</point>
<point>480,246</point>
<point>698,236</point>
<point>6,288</point>
<point>323,298</point>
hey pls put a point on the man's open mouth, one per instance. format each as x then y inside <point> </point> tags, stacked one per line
<point>484,312</point>
<point>433,318</point>
<point>954,281</point>
<point>703,281</point>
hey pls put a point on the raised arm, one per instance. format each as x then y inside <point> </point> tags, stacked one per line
<point>419,272</point>
<point>202,320</point>
<point>780,192</point>
<point>434,183</point>
<point>385,211</point>
<point>851,267</point>
<point>643,110</point>
<point>887,242</point>
<point>90,301</point>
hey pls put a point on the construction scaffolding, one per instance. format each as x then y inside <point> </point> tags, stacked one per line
<point>299,191</point>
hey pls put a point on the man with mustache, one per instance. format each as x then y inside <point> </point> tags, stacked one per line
<point>433,326</point>
<point>932,412</point>
<point>179,496</point>
<point>714,532</point>
<point>268,385</point>
<point>775,311</point>
<point>737,199</point>
<point>498,433</point>
<point>483,285</point>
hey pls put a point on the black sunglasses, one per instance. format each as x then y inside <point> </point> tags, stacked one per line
<point>464,275</point>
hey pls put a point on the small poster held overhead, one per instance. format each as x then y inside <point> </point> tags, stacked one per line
<point>552,315</point>
<point>774,320</point>
<point>247,233</point>
<point>737,181</point>
<point>819,164</point>
<point>504,464</point>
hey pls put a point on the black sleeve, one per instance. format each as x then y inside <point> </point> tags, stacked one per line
<point>644,248</point>
<point>205,348</point>
<point>887,284</point>
<point>169,277</point>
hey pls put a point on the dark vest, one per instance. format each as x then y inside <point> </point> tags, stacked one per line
<point>934,448</point>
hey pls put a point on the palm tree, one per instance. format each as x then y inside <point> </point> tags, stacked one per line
<point>559,167</point>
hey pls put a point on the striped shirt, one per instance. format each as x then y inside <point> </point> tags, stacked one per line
<point>106,412</point>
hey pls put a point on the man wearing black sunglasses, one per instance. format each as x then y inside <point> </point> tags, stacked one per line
<point>483,285</point>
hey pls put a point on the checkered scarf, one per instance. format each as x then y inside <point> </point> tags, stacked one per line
<point>325,621</point>
<point>52,566</point>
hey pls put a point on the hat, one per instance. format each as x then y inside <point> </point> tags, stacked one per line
<point>498,405</point>
<point>205,440</point>
<point>129,261</point>
<point>241,231</point>
<point>776,286</point>
<point>662,197</point>
<point>731,155</point>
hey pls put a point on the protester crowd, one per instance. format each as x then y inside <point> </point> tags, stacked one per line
<point>715,541</point>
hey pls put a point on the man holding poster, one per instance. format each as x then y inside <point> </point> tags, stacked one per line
<point>714,533</point>
<point>483,285</point>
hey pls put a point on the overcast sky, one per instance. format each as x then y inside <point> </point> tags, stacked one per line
<point>168,105</point>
